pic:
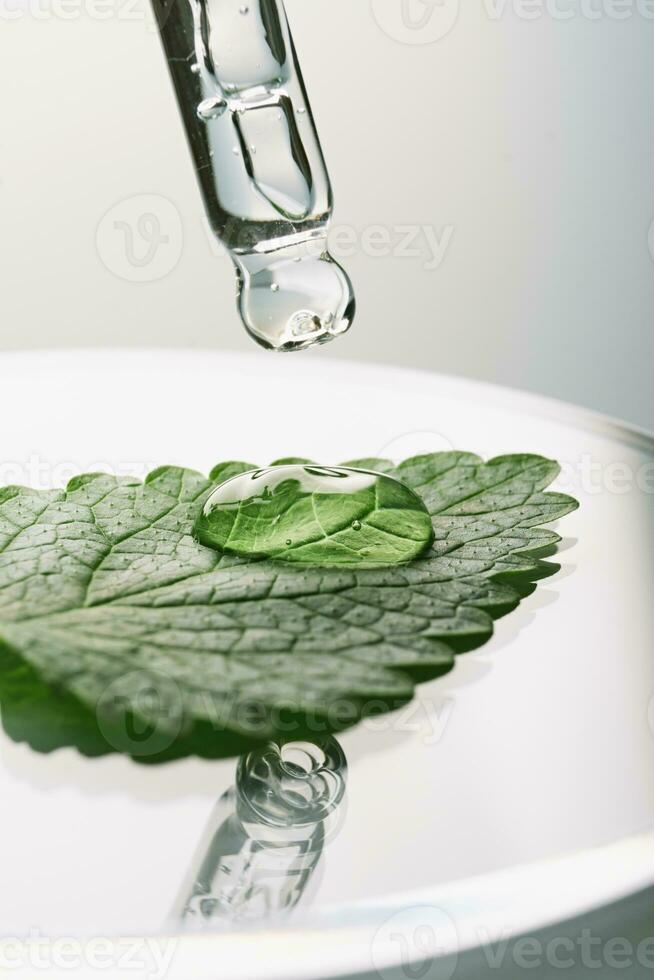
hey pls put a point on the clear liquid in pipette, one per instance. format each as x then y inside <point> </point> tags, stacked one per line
<point>260,165</point>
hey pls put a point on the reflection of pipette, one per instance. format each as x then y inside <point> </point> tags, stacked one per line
<point>259,163</point>
<point>266,834</point>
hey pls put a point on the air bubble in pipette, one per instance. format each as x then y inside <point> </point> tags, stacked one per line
<point>259,164</point>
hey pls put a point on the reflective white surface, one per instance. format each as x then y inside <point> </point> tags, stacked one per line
<point>536,748</point>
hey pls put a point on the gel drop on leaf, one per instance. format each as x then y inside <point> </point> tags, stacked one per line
<point>317,515</point>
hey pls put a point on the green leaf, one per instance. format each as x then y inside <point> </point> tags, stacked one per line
<point>122,632</point>
<point>226,471</point>
<point>316,515</point>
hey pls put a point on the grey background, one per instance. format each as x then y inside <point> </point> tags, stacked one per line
<point>522,133</point>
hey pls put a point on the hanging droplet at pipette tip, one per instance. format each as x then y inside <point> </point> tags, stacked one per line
<point>260,165</point>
